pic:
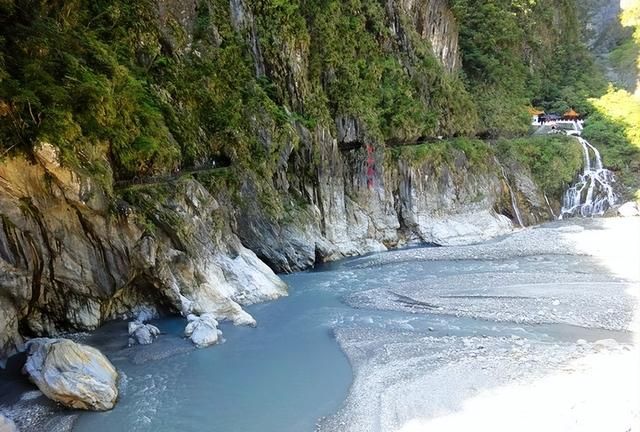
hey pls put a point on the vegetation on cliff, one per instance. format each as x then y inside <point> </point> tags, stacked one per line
<point>624,59</point>
<point>517,53</point>
<point>553,161</point>
<point>108,79</point>
<point>476,154</point>
<point>127,90</point>
<point>615,129</point>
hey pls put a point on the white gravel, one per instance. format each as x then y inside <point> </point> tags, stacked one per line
<point>562,280</point>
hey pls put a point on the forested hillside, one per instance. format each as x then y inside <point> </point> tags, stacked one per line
<point>145,87</point>
<point>614,125</point>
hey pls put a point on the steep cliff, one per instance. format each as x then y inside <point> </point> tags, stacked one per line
<point>364,201</point>
<point>69,262</point>
<point>313,130</point>
<point>611,41</point>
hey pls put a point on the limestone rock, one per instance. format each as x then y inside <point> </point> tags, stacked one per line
<point>77,376</point>
<point>7,425</point>
<point>434,21</point>
<point>629,209</point>
<point>66,262</point>
<point>202,330</point>
<point>361,202</point>
<point>70,258</point>
<point>143,334</point>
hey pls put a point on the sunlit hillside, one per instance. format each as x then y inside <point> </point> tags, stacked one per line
<point>615,125</point>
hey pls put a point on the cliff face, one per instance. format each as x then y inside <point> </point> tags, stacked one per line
<point>318,111</point>
<point>434,22</point>
<point>363,201</point>
<point>612,43</point>
<point>602,28</point>
<point>69,262</point>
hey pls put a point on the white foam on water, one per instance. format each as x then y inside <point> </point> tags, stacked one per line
<point>31,395</point>
<point>592,194</point>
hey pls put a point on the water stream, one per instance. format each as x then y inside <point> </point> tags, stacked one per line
<point>514,201</point>
<point>351,347</point>
<point>592,194</point>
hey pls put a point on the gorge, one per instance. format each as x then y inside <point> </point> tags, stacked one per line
<point>184,162</point>
<point>77,252</point>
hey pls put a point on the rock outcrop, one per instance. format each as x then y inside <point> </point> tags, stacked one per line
<point>629,209</point>
<point>604,32</point>
<point>69,261</point>
<point>74,253</point>
<point>77,376</point>
<point>203,330</point>
<point>433,21</point>
<point>142,334</point>
<point>362,202</point>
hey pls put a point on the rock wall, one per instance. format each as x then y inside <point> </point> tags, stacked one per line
<point>367,200</point>
<point>434,22</point>
<point>602,27</point>
<point>603,33</point>
<point>69,262</point>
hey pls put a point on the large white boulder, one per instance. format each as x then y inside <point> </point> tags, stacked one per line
<point>6,425</point>
<point>77,376</point>
<point>202,330</point>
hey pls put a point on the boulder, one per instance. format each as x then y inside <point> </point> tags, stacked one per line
<point>143,334</point>
<point>202,330</point>
<point>77,376</point>
<point>629,209</point>
<point>7,425</point>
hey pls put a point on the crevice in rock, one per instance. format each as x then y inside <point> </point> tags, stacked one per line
<point>37,256</point>
<point>97,244</point>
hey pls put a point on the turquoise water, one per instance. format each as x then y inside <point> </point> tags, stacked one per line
<point>289,373</point>
<point>281,376</point>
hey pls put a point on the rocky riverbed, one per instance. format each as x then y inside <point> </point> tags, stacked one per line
<point>568,294</point>
<point>532,331</point>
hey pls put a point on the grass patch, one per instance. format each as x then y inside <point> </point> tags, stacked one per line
<point>478,154</point>
<point>553,161</point>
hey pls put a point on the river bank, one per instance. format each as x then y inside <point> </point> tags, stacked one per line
<point>568,292</point>
<point>404,340</point>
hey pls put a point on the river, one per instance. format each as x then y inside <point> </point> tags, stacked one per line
<point>388,341</point>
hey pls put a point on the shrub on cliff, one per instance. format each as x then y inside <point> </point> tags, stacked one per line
<point>553,161</point>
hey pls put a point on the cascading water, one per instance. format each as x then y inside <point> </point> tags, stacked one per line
<point>592,194</point>
<point>514,201</point>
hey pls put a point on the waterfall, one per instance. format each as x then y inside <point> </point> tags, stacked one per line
<point>549,206</point>
<point>514,201</point>
<point>592,194</point>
